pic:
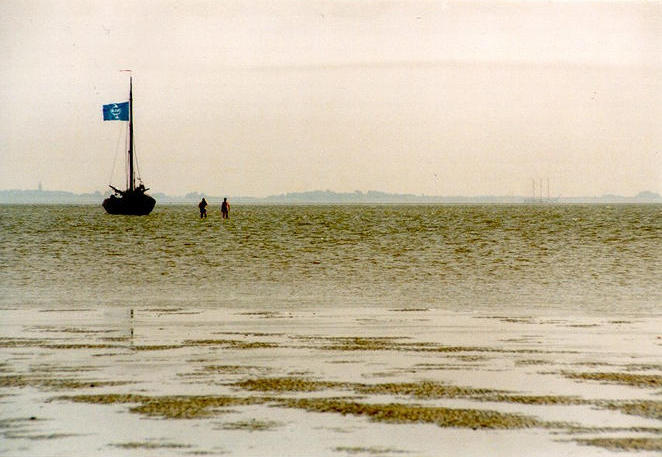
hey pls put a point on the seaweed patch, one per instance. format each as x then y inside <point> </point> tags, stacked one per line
<point>631,379</point>
<point>624,444</point>
<point>168,407</point>
<point>404,413</point>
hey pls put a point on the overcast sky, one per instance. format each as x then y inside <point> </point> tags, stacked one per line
<point>262,97</point>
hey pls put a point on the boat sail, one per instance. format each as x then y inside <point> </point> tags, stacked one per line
<point>132,201</point>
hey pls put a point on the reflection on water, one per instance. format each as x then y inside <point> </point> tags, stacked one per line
<point>593,258</point>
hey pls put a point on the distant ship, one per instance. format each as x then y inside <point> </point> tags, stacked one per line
<point>132,201</point>
<point>540,199</point>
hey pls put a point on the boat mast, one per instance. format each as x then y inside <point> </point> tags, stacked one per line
<point>131,180</point>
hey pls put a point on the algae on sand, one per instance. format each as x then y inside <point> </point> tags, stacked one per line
<point>403,413</point>
<point>625,444</point>
<point>169,407</point>
<point>645,408</point>
<point>252,425</point>
<point>630,379</point>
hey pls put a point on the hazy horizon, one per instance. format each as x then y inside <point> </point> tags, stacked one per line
<point>261,98</point>
<point>57,196</point>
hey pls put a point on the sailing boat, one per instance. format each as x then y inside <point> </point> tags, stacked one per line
<point>132,201</point>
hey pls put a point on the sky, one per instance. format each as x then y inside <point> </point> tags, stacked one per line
<point>254,98</point>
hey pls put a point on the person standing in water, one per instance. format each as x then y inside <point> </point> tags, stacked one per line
<point>225,208</point>
<point>203,208</point>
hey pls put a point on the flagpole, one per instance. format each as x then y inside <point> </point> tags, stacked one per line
<point>131,180</point>
<point>132,184</point>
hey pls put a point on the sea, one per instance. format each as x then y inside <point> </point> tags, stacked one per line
<point>581,259</point>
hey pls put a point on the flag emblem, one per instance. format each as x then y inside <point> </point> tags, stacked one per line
<point>116,112</point>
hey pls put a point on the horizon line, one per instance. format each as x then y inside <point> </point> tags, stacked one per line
<point>650,193</point>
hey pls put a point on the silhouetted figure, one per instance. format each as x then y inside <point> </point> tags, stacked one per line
<point>225,208</point>
<point>203,208</point>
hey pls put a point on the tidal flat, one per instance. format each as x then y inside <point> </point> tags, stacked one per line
<point>320,382</point>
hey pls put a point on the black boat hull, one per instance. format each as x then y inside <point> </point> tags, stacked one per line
<point>130,204</point>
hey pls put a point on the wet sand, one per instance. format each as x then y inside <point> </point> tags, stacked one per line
<point>327,382</point>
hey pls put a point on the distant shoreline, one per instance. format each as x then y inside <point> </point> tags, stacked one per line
<point>318,197</point>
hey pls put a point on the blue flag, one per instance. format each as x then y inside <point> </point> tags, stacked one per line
<point>116,112</point>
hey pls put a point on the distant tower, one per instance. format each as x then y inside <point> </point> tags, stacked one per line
<point>39,188</point>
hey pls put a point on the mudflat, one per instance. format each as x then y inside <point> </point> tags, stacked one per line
<point>328,382</point>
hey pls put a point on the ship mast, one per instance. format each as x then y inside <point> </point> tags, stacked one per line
<point>131,180</point>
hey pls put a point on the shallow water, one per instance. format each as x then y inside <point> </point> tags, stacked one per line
<point>582,258</point>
